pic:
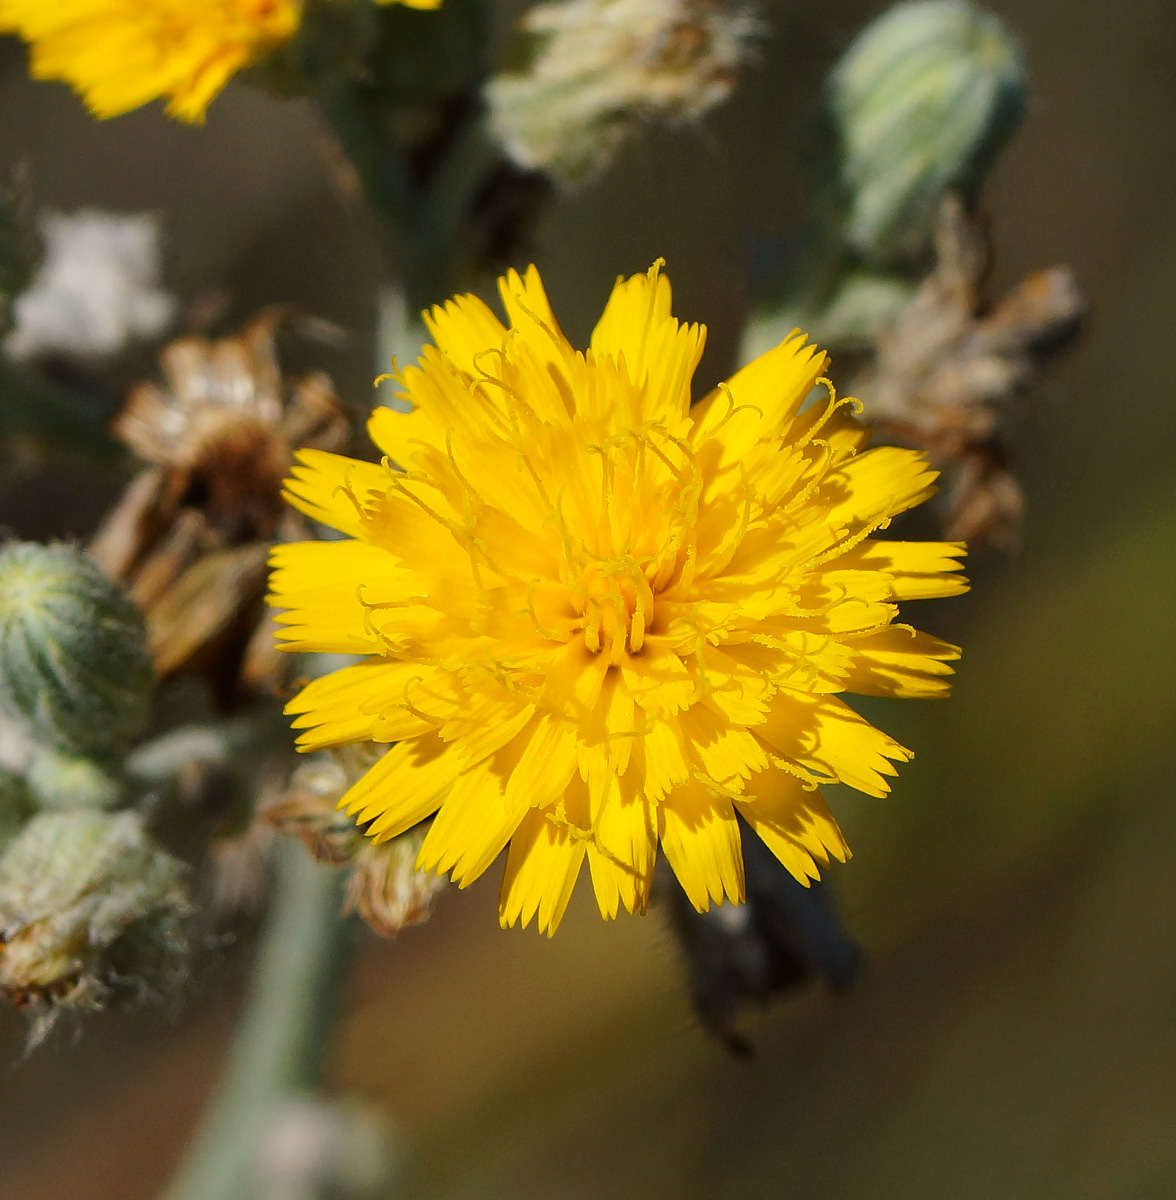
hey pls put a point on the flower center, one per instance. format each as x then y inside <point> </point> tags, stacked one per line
<point>617,607</point>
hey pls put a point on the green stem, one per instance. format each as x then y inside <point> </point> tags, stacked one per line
<point>425,223</point>
<point>409,117</point>
<point>280,1045</point>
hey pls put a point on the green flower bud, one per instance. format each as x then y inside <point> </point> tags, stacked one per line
<point>73,653</point>
<point>89,907</point>
<point>922,101</point>
<point>60,780</point>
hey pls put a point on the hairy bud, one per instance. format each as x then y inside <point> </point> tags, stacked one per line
<point>89,907</point>
<point>73,655</point>
<point>922,101</point>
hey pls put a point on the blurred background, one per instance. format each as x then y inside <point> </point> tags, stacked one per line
<point>1013,1031</point>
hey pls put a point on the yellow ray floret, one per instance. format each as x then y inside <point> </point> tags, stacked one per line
<point>120,54</point>
<point>597,621</point>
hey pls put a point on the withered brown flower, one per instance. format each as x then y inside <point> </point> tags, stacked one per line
<point>945,373</point>
<point>190,536</point>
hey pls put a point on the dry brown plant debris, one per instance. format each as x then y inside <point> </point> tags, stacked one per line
<point>191,533</point>
<point>383,883</point>
<point>945,374</point>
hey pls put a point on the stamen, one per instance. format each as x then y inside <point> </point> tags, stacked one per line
<point>732,408</point>
<point>831,407</point>
<point>420,713</point>
<point>817,473</point>
<point>552,635</point>
<point>850,542</point>
<point>811,780</point>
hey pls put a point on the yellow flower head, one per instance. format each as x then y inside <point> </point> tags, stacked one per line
<point>596,619</point>
<point>120,54</point>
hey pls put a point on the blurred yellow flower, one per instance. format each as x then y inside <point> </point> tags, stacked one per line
<point>596,619</point>
<point>120,54</point>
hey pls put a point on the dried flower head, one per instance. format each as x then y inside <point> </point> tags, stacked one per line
<point>97,289</point>
<point>309,809</point>
<point>388,889</point>
<point>944,374</point>
<point>223,423</point>
<point>89,907</point>
<point>385,885</point>
<point>600,67</point>
<point>190,535</point>
<point>597,620</point>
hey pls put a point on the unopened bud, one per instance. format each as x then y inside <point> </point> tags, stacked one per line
<point>741,955</point>
<point>73,655</point>
<point>600,67</point>
<point>922,102</point>
<point>89,906</point>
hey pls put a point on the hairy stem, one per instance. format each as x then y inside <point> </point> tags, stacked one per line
<point>280,1045</point>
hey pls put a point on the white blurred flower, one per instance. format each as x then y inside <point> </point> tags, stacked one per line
<point>98,287</point>
<point>315,1149</point>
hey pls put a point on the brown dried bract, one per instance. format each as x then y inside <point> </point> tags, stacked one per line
<point>383,885</point>
<point>387,890</point>
<point>944,375</point>
<point>309,810</point>
<point>190,535</point>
